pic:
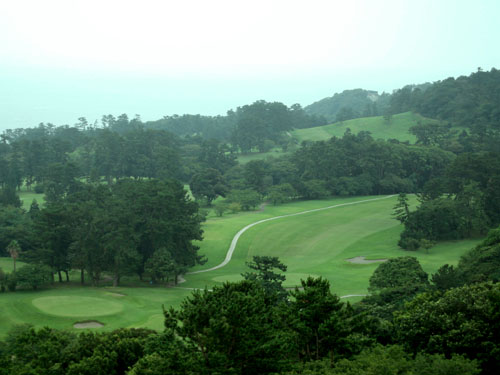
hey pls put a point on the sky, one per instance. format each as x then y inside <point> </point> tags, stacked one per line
<point>64,59</point>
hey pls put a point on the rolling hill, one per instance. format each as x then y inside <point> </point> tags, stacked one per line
<point>397,128</point>
<point>353,103</point>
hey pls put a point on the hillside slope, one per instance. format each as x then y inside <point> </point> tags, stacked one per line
<point>379,127</point>
<point>350,104</point>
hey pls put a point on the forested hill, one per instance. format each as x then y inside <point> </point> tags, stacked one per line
<point>248,125</point>
<point>350,104</point>
<point>217,127</point>
<point>472,101</point>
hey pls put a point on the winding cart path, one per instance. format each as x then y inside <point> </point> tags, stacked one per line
<point>237,236</point>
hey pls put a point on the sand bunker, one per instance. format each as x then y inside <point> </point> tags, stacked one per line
<point>362,260</point>
<point>88,324</point>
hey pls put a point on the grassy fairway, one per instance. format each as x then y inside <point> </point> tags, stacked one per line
<point>7,264</point>
<point>316,243</point>
<point>28,196</point>
<point>396,128</point>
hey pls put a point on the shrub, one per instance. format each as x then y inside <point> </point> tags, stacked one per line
<point>33,275</point>
<point>2,281</point>
<point>11,282</point>
<point>235,207</point>
<point>39,189</point>
<point>409,243</point>
<point>220,208</point>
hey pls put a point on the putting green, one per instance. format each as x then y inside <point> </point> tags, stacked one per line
<point>74,306</point>
<point>316,244</point>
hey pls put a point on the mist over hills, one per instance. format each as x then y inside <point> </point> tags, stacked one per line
<point>350,104</point>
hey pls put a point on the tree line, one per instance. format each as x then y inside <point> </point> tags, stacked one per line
<point>351,165</point>
<point>470,102</point>
<point>257,125</point>
<point>410,323</point>
<point>133,227</point>
<point>350,104</point>
<point>58,161</point>
<point>463,202</point>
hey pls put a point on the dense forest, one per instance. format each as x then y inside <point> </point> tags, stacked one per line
<point>115,205</point>
<point>350,104</point>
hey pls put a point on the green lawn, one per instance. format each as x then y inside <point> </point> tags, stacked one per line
<point>316,244</point>
<point>28,196</point>
<point>61,307</point>
<point>396,128</point>
<point>7,264</point>
<point>380,128</point>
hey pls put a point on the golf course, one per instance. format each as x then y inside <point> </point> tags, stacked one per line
<point>380,127</point>
<point>396,127</point>
<point>313,238</point>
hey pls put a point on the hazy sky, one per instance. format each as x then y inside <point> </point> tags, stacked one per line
<point>62,59</point>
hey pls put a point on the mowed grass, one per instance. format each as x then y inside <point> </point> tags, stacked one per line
<point>7,264</point>
<point>27,198</point>
<point>63,306</point>
<point>397,128</point>
<point>78,306</point>
<point>315,244</point>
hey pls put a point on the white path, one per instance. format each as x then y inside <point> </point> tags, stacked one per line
<point>234,242</point>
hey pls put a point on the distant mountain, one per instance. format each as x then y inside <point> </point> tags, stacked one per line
<point>350,104</point>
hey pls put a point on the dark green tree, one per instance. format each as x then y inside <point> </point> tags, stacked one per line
<point>9,197</point>
<point>248,198</point>
<point>220,208</point>
<point>393,283</point>
<point>160,266</point>
<point>3,278</point>
<point>60,179</point>
<point>264,273</point>
<point>401,209</point>
<point>319,320</point>
<point>231,329</point>
<point>14,225</point>
<point>14,251</point>
<point>87,250</point>
<point>482,263</point>
<point>401,272</point>
<point>446,277</point>
<point>460,321</point>
<point>392,359</point>
<point>52,238</point>
<point>257,175</point>
<point>33,275</point>
<point>208,184</point>
<point>281,193</point>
